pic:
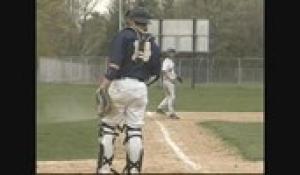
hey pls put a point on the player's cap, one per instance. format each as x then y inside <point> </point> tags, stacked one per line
<point>139,15</point>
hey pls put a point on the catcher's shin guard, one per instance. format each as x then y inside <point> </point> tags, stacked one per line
<point>107,137</point>
<point>135,151</point>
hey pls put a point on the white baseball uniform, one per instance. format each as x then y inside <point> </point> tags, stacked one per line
<point>169,78</point>
<point>129,97</point>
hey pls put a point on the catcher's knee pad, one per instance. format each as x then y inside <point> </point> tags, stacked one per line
<point>107,136</point>
<point>135,151</point>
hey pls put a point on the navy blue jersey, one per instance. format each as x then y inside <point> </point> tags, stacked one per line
<point>124,57</point>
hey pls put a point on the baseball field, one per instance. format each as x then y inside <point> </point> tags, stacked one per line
<point>221,130</point>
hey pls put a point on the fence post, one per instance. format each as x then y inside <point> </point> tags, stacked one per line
<point>179,67</point>
<point>160,28</point>
<point>199,69</point>
<point>194,55</point>
<point>239,71</point>
<point>207,70</point>
<point>37,70</point>
<point>160,35</point>
<point>212,68</point>
<point>72,70</point>
<point>86,67</point>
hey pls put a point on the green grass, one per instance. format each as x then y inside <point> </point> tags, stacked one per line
<point>65,102</point>
<point>77,102</point>
<point>67,140</point>
<point>213,98</point>
<point>246,137</point>
<point>66,120</point>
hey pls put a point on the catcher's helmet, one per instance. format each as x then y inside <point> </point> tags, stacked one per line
<point>139,15</point>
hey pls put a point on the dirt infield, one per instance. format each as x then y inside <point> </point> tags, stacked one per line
<point>176,146</point>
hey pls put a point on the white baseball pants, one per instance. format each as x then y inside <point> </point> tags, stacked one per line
<point>129,99</point>
<point>169,100</point>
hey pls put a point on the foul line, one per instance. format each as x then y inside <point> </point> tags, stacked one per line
<point>176,149</point>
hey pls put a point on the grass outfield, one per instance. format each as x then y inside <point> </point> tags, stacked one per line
<point>66,120</point>
<point>67,140</point>
<point>71,102</point>
<point>77,102</point>
<point>60,103</point>
<point>246,137</point>
<point>213,98</point>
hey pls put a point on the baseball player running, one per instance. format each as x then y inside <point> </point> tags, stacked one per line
<point>169,80</point>
<point>134,59</point>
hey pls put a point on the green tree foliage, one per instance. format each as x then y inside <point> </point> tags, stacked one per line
<point>72,27</point>
<point>93,35</point>
<point>168,10</point>
<point>152,6</point>
<point>69,27</point>
<point>236,26</point>
<point>112,25</point>
<point>53,28</point>
<point>91,29</point>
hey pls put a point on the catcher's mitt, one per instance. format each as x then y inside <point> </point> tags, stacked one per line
<point>103,102</point>
<point>179,79</point>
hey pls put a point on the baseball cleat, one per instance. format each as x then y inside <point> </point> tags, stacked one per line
<point>174,116</point>
<point>160,111</point>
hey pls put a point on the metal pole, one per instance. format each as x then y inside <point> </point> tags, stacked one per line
<point>37,69</point>
<point>179,67</point>
<point>207,70</point>
<point>194,55</point>
<point>239,71</point>
<point>199,69</point>
<point>71,69</point>
<point>212,69</point>
<point>86,67</point>
<point>200,60</point>
<point>120,15</point>
<point>160,28</point>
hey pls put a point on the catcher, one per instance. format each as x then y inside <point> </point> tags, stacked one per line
<point>122,96</point>
<point>169,80</point>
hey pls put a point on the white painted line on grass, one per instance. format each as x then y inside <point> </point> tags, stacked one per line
<point>176,149</point>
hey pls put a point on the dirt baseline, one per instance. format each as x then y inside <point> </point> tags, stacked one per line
<point>176,146</point>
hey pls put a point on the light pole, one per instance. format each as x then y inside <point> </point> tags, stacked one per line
<point>120,15</point>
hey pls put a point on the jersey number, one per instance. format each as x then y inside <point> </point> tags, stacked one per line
<point>141,51</point>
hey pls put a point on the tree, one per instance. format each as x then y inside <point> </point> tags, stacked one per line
<point>153,7</point>
<point>111,26</point>
<point>168,10</point>
<point>94,35</point>
<point>235,26</point>
<point>90,27</point>
<point>69,27</point>
<point>72,27</point>
<point>52,26</point>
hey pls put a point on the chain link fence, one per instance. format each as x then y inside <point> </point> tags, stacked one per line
<point>86,70</point>
<point>221,69</point>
